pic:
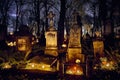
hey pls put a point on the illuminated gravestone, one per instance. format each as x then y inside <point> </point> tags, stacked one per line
<point>98,45</point>
<point>23,43</point>
<point>51,37</point>
<point>75,58</point>
<point>24,40</point>
<point>74,46</point>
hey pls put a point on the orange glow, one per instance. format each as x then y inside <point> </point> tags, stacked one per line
<point>104,62</point>
<point>74,70</point>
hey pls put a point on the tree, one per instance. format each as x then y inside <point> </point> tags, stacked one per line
<point>40,11</point>
<point>66,9</point>
<point>61,22</point>
<point>18,12</point>
<point>102,12</point>
<point>114,14</point>
<point>4,8</point>
<point>36,6</point>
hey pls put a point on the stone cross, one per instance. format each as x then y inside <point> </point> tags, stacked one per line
<point>50,16</point>
<point>75,17</point>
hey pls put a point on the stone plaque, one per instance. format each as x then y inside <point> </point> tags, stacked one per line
<point>51,39</point>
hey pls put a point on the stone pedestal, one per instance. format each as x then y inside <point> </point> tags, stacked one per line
<point>74,54</point>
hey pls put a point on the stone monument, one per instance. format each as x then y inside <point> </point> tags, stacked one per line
<point>51,37</point>
<point>74,46</point>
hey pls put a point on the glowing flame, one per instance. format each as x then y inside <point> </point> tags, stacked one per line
<point>74,70</point>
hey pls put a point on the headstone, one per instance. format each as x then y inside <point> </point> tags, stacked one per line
<point>98,45</point>
<point>51,37</point>
<point>75,36</point>
<point>74,45</point>
<point>23,43</point>
<point>24,40</point>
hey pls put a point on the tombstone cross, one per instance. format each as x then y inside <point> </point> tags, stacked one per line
<point>75,16</point>
<point>50,16</point>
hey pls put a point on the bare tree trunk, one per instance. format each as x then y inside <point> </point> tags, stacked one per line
<point>17,21</point>
<point>61,23</point>
<point>46,13</point>
<point>38,17</point>
<point>4,7</point>
<point>103,13</point>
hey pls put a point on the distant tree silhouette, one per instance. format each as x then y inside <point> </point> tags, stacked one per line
<point>61,22</point>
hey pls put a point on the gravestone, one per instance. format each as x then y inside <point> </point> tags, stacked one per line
<point>51,37</point>
<point>75,36</point>
<point>74,46</point>
<point>23,43</point>
<point>24,40</point>
<point>98,45</point>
